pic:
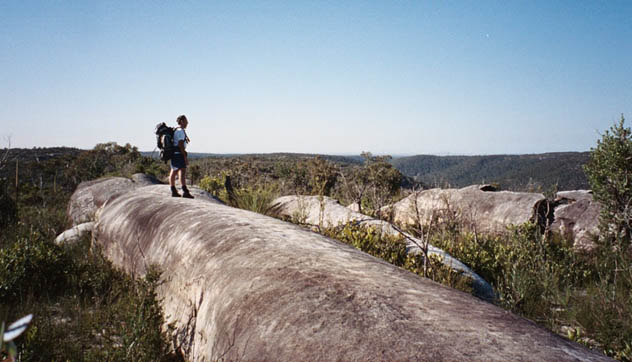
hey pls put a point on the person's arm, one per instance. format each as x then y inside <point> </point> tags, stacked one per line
<point>183,152</point>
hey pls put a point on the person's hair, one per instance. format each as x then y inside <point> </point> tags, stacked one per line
<point>181,118</point>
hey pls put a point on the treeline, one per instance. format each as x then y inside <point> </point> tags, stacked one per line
<point>536,172</point>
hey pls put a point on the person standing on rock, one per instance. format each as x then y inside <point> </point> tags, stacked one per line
<point>179,160</point>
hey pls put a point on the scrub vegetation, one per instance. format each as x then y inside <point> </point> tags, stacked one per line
<point>86,310</point>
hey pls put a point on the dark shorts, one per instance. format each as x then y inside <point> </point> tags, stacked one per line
<point>177,161</point>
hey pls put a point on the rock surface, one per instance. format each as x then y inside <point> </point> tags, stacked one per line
<point>329,213</point>
<point>75,233</point>
<point>477,207</point>
<point>240,285</point>
<point>577,218</point>
<point>143,179</point>
<point>85,201</point>
<point>91,195</point>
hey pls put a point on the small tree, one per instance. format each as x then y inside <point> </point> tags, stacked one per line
<point>609,173</point>
<point>373,185</point>
<point>323,176</point>
<point>607,314</point>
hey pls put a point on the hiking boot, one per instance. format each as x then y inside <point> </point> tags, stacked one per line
<point>174,192</point>
<point>186,193</point>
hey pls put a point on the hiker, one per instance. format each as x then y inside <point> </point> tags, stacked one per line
<point>179,160</point>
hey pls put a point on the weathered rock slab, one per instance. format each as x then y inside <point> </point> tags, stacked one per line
<point>577,218</point>
<point>477,207</point>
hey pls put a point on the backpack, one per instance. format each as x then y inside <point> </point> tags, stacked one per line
<point>164,138</point>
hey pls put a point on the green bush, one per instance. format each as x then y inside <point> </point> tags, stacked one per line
<point>609,173</point>
<point>605,311</point>
<point>256,198</point>
<point>33,269</point>
<point>373,185</point>
<point>531,274</point>
<point>85,310</point>
<point>372,241</point>
<point>213,185</point>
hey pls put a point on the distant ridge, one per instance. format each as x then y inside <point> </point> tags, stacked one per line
<point>532,172</point>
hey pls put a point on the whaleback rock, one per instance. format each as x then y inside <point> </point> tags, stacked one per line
<point>477,207</point>
<point>327,212</point>
<point>240,285</point>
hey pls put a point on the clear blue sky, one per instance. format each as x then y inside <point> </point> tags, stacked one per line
<point>336,77</point>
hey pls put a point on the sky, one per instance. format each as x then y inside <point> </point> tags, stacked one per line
<point>331,77</point>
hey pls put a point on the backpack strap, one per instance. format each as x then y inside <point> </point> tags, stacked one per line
<point>186,138</point>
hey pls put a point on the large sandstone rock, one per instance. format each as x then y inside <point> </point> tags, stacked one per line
<point>577,218</point>
<point>328,212</point>
<point>243,286</point>
<point>477,207</point>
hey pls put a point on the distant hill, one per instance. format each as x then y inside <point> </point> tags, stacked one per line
<point>535,172</point>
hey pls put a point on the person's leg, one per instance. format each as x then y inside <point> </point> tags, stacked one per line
<point>183,177</point>
<point>183,183</point>
<point>172,178</point>
<point>172,183</point>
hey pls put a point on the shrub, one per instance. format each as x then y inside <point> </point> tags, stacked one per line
<point>606,310</point>
<point>84,308</point>
<point>609,173</point>
<point>212,185</point>
<point>33,268</point>
<point>532,275</point>
<point>370,240</point>
<point>373,185</point>
<point>323,176</point>
<point>257,198</point>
